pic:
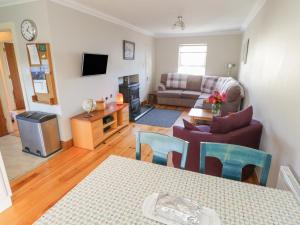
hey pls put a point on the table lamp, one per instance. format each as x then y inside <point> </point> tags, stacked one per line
<point>120,99</point>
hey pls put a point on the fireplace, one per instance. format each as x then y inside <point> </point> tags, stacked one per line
<point>129,86</point>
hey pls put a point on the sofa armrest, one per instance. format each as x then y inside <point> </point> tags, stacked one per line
<point>233,93</point>
<point>161,87</point>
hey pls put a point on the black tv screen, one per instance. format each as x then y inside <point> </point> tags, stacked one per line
<point>94,64</point>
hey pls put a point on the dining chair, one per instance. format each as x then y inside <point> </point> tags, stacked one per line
<point>161,145</point>
<point>234,158</point>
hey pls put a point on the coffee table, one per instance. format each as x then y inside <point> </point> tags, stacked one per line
<point>200,115</point>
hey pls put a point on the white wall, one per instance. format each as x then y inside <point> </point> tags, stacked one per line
<point>11,18</point>
<point>73,33</point>
<point>222,49</point>
<point>272,80</point>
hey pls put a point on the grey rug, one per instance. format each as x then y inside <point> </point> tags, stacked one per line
<point>160,118</point>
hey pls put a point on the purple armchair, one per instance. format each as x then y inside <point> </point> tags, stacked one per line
<point>248,136</point>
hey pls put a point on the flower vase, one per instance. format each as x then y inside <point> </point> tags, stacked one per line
<point>216,109</point>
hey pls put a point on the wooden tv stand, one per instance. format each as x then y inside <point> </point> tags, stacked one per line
<point>89,132</point>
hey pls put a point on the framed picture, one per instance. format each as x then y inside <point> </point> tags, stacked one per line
<point>245,51</point>
<point>128,50</point>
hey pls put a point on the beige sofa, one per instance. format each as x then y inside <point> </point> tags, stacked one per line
<point>192,96</point>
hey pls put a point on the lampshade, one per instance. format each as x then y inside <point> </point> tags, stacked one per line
<point>230,65</point>
<point>120,99</point>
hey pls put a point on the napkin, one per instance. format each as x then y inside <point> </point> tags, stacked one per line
<point>173,210</point>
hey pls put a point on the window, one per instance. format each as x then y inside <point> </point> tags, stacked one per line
<point>192,59</point>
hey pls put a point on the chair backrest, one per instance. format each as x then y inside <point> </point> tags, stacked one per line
<point>234,158</point>
<point>161,145</point>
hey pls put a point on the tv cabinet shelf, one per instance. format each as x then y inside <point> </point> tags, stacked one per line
<point>89,132</point>
<point>109,124</point>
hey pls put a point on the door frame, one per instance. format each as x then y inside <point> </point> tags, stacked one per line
<point>11,27</point>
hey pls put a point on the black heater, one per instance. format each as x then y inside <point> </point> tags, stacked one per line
<point>131,93</point>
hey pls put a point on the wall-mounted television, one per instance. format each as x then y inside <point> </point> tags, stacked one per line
<point>94,64</point>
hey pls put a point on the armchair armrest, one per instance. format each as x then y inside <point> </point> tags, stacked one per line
<point>194,138</point>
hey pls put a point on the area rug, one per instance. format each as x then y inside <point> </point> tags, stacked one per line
<point>160,118</point>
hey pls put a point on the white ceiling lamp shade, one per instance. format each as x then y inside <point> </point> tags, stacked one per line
<point>179,24</point>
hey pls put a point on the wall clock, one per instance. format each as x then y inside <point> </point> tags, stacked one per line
<point>28,30</point>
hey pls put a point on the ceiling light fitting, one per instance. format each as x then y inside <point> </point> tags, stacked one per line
<point>179,23</point>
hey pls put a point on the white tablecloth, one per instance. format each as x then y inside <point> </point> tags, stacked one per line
<point>114,192</point>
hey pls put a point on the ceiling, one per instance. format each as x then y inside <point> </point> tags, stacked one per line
<point>156,17</point>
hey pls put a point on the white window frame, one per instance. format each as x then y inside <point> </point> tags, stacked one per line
<point>180,66</point>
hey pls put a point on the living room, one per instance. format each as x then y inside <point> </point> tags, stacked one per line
<point>254,42</point>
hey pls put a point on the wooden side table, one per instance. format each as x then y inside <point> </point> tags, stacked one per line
<point>152,98</point>
<point>200,115</point>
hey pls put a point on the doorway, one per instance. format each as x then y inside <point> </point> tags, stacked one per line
<point>12,102</point>
<point>11,96</point>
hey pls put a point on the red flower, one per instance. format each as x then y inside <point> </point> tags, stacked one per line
<point>217,98</point>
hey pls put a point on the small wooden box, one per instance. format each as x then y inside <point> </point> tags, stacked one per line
<point>100,105</point>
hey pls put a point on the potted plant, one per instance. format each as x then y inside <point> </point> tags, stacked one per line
<point>216,100</point>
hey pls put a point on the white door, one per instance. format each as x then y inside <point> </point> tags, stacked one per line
<point>5,191</point>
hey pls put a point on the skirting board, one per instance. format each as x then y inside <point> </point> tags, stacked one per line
<point>67,144</point>
<point>5,203</point>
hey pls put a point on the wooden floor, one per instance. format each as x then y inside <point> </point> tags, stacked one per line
<point>41,188</point>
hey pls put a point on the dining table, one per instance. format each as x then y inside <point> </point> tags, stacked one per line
<point>115,191</point>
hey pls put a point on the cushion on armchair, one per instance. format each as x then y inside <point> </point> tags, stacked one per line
<point>190,126</point>
<point>222,125</point>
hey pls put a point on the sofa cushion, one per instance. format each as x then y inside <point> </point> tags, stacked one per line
<point>194,83</point>
<point>232,122</point>
<point>191,94</point>
<point>176,81</point>
<point>190,126</point>
<point>170,93</point>
<point>208,84</point>
<point>204,96</point>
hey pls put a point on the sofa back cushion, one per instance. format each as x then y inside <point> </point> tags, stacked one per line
<point>232,122</point>
<point>208,84</point>
<point>194,83</point>
<point>176,81</point>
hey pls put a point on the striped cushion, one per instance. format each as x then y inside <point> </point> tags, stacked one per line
<point>208,84</point>
<point>176,81</point>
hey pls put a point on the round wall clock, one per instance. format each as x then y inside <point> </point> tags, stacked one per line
<point>28,30</point>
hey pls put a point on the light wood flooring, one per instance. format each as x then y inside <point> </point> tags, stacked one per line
<point>41,188</point>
